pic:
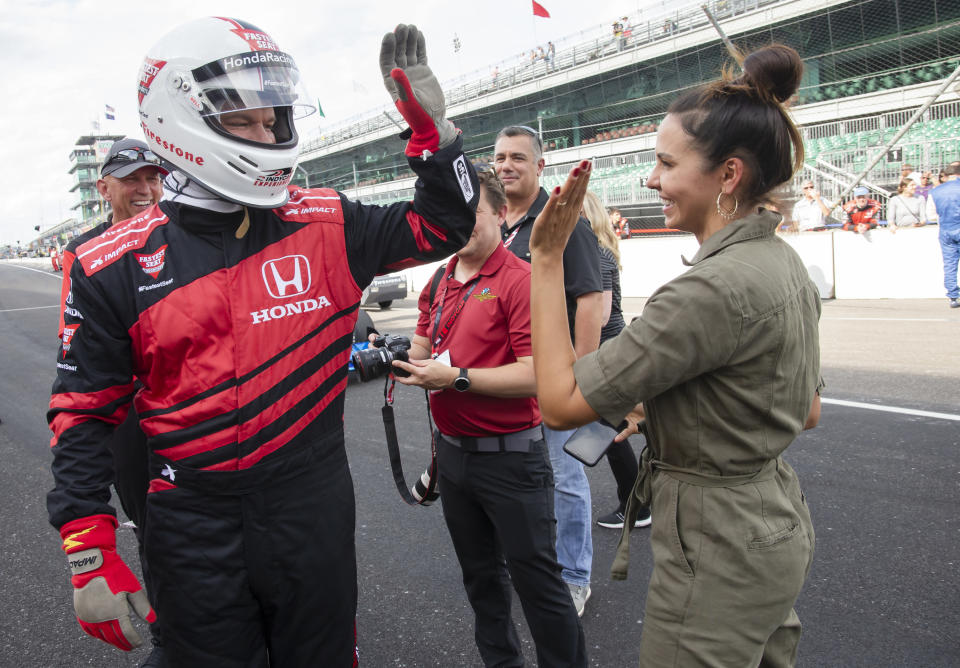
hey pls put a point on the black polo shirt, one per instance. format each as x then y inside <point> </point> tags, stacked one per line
<point>581,259</point>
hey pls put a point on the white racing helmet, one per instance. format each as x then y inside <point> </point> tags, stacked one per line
<point>214,66</point>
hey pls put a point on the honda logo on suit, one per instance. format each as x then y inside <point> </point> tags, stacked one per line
<point>287,276</point>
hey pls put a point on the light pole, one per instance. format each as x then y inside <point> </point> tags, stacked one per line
<point>306,175</point>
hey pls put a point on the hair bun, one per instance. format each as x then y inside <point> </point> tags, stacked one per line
<point>774,70</point>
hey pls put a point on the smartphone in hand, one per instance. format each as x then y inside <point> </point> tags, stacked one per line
<point>590,442</point>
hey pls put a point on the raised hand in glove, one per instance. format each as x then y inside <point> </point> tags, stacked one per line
<point>415,90</point>
<point>104,587</point>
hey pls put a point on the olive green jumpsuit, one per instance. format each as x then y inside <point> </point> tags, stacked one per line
<point>726,360</point>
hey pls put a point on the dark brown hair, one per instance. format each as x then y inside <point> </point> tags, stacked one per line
<point>744,117</point>
<point>904,184</point>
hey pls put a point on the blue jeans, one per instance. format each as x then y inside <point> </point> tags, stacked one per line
<point>950,247</point>
<point>572,508</point>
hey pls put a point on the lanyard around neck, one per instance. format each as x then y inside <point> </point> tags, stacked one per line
<point>441,333</point>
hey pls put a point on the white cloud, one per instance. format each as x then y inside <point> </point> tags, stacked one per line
<point>74,57</point>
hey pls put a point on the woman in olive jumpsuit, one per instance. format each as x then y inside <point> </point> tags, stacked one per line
<point>723,364</point>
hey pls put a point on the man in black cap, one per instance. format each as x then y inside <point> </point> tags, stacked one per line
<point>131,181</point>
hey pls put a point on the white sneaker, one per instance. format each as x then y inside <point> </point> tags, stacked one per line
<point>580,595</point>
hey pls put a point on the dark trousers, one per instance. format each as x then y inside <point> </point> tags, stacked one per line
<point>625,466</point>
<point>131,479</point>
<point>263,578</point>
<point>130,468</point>
<point>499,510</point>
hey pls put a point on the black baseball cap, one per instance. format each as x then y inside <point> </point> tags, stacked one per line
<point>127,156</point>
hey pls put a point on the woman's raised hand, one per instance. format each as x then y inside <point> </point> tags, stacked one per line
<point>555,224</point>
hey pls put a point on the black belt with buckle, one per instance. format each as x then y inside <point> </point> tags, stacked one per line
<point>519,441</point>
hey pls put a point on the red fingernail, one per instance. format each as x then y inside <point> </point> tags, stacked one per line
<point>576,171</point>
<point>556,191</point>
<point>584,165</point>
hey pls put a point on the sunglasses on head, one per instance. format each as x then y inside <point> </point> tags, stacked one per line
<point>527,130</point>
<point>135,155</point>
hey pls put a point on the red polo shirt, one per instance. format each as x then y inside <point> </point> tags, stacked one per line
<point>493,329</point>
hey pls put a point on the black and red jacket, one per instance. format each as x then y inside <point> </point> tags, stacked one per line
<point>240,335</point>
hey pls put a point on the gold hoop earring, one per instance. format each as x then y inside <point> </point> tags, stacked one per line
<point>725,214</point>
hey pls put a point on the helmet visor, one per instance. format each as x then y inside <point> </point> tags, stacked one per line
<point>252,80</point>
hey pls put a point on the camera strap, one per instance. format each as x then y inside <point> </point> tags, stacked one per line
<point>424,491</point>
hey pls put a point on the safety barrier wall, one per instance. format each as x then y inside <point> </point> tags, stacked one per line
<point>844,265</point>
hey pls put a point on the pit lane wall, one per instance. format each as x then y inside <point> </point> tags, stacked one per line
<point>844,265</point>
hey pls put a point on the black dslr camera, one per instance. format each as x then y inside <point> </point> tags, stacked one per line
<point>377,360</point>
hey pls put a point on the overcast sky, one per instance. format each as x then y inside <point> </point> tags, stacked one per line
<point>67,59</point>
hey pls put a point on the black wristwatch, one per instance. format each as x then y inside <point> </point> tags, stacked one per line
<point>461,383</point>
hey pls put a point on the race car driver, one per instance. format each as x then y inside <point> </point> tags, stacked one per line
<point>233,302</point>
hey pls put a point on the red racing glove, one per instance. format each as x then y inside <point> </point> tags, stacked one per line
<point>104,587</point>
<point>415,91</point>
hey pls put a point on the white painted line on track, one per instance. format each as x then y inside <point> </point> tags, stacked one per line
<point>891,409</point>
<point>39,271</point>
<point>895,319</point>
<point>26,308</point>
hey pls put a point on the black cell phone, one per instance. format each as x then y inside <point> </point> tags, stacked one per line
<point>590,442</point>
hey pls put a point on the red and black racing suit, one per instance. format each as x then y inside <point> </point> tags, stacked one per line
<point>128,445</point>
<point>240,336</point>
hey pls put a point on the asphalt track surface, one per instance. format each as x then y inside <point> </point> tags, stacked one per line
<point>883,486</point>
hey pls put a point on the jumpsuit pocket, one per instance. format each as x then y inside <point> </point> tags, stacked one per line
<point>774,518</point>
<point>763,542</point>
<point>667,522</point>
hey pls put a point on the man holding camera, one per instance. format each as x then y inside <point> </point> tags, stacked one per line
<point>472,351</point>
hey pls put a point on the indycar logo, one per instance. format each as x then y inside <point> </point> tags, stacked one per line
<point>152,264</point>
<point>287,276</point>
<point>278,177</point>
<point>68,333</point>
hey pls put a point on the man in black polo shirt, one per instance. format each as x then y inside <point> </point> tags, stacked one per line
<point>518,159</point>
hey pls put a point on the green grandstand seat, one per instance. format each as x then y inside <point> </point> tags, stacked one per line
<point>906,78</point>
<point>853,88</point>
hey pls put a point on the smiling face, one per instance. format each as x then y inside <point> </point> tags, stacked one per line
<point>687,186</point>
<point>132,194</point>
<point>518,166</point>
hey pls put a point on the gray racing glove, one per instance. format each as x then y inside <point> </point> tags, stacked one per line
<point>415,90</point>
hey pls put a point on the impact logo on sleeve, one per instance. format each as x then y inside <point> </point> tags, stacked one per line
<point>152,264</point>
<point>68,333</point>
<point>463,177</point>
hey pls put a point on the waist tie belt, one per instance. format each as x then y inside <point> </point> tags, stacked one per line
<point>641,496</point>
<point>519,441</point>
